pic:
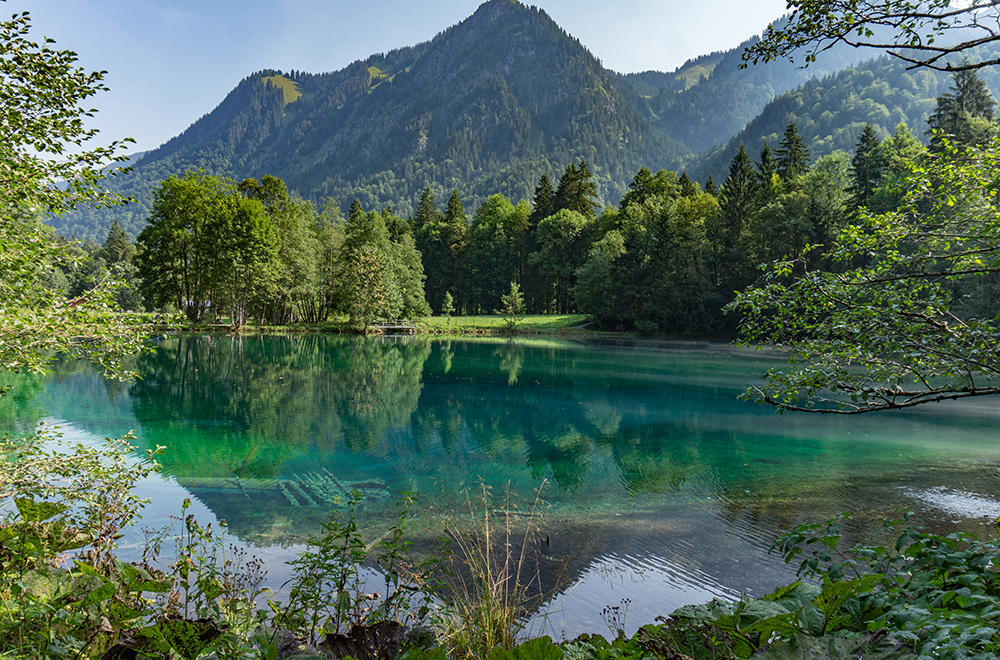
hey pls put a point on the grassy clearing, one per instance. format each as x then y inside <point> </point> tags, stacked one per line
<point>290,88</point>
<point>471,325</point>
<point>533,323</point>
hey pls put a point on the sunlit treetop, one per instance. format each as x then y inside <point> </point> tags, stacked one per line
<point>46,160</point>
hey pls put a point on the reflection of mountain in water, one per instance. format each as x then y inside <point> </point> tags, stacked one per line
<point>286,427</point>
<point>272,432</point>
<point>653,462</point>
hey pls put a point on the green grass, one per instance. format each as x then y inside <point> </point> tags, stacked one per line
<point>693,75</point>
<point>288,86</point>
<point>703,67</point>
<point>533,323</point>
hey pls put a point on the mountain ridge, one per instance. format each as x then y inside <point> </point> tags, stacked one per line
<point>486,106</point>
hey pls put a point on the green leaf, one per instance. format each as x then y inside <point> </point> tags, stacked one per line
<point>35,512</point>
<point>188,638</point>
<point>541,648</point>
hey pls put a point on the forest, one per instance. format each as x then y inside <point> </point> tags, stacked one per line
<point>668,259</point>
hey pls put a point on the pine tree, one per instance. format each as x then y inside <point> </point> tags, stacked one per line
<point>688,187</point>
<point>965,114</point>
<point>577,190</point>
<point>738,193</point>
<point>544,201</point>
<point>793,157</point>
<point>117,248</point>
<point>868,163</point>
<point>457,239</point>
<point>645,185</point>
<point>710,186</point>
<point>454,215</point>
<point>767,168</point>
<point>442,245</point>
<point>427,211</point>
<point>737,203</point>
<point>354,211</point>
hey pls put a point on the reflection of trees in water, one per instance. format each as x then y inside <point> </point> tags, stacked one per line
<point>20,410</point>
<point>528,401</point>
<point>511,361</point>
<point>657,458</point>
<point>75,391</point>
<point>376,386</point>
<point>246,406</point>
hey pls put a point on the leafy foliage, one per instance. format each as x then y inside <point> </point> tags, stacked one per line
<point>886,334</point>
<point>68,499</point>
<point>41,96</point>
<point>924,33</point>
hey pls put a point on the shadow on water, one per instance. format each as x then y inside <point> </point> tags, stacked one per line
<point>665,487</point>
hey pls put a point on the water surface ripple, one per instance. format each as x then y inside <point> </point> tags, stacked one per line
<point>661,487</point>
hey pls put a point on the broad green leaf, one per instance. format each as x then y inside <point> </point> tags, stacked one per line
<point>32,511</point>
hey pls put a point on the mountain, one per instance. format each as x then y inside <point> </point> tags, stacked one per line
<point>709,98</point>
<point>829,113</point>
<point>503,97</point>
<point>487,106</point>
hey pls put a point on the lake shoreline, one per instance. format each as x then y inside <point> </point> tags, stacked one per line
<point>469,327</point>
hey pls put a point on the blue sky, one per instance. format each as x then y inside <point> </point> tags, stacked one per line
<point>171,61</point>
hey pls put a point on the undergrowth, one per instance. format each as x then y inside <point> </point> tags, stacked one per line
<point>64,593</point>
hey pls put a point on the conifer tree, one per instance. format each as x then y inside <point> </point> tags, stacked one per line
<point>688,187</point>
<point>441,243</point>
<point>710,186</point>
<point>533,281</point>
<point>867,165</point>
<point>427,211</point>
<point>965,114</point>
<point>767,168</point>
<point>793,157</point>
<point>738,193</point>
<point>454,215</point>
<point>457,238</point>
<point>117,253</point>
<point>544,200</point>
<point>645,185</point>
<point>577,190</point>
<point>117,248</point>
<point>737,202</point>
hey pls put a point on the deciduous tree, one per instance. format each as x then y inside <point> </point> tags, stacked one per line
<point>180,260</point>
<point>922,33</point>
<point>47,164</point>
<point>887,334</point>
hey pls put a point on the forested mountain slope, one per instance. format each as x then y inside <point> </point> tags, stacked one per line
<point>710,98</point>
<point>829,113</point>
<point>492,103</point>
<point>485,107</point>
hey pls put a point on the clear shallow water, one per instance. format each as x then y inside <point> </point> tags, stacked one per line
<point>662,487</point>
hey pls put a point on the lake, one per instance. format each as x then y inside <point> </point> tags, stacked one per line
<point>660,485</point>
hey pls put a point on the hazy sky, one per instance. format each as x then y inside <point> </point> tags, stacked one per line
<point>171,61</point>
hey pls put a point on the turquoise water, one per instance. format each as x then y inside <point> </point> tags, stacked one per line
<point>660,485</point>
